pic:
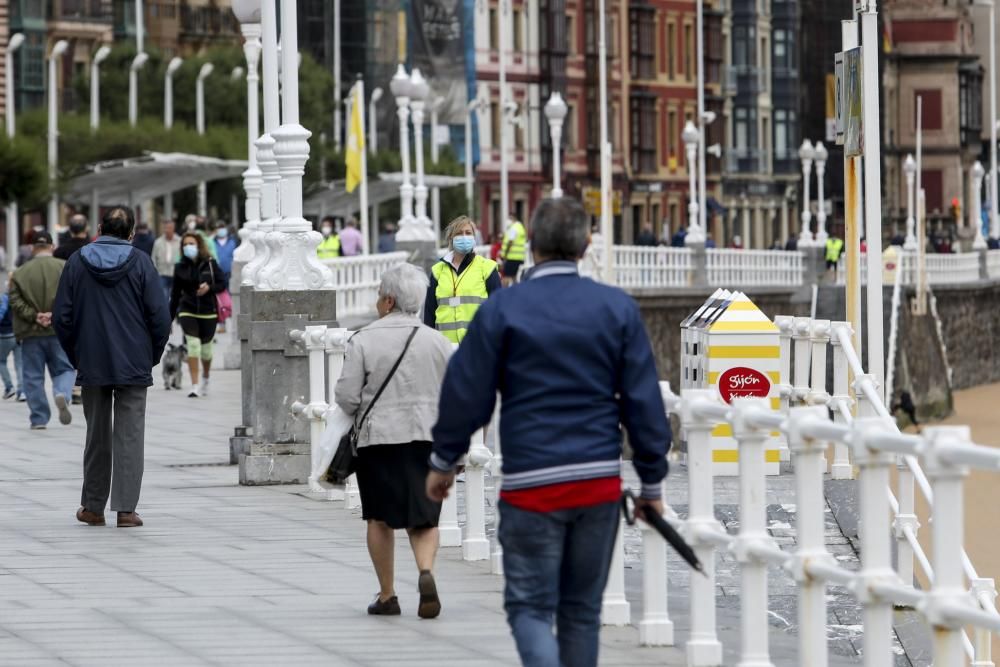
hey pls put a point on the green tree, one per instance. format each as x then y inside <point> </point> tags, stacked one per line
<point>22,173</point>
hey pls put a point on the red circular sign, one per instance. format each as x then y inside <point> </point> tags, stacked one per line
<point>741,382</point>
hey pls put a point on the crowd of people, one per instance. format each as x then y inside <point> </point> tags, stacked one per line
<point>559,350</point>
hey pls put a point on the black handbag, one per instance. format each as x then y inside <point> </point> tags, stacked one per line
<point>345,460</point>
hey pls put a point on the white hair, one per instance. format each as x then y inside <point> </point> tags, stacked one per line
<point>407,285</point>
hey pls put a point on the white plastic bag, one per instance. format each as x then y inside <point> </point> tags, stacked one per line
<point>337,426</point>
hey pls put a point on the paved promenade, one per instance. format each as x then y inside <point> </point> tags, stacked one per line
<point>220,574</point>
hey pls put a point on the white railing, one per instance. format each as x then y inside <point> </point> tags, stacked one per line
<point>356,280</point>
<point>638,266</point>
<point>942,269</point>
<point>806,341</point>
<point>753,267</point>
<point>947,452</point>
<point>993,263</point>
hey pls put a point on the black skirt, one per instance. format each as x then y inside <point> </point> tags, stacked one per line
<point>393,482</point>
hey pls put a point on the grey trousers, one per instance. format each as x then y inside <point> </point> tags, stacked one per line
<point>113,458</point>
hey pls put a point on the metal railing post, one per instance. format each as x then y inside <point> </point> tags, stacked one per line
<point>753,533</point>
<point>785,325</point>
<point>841,467</point>
<point>655,627</point>
<point>615,608</point>
<point>985,591</point>
<point>800,380</point>
<point>475,546</point>
<point>905,520</point>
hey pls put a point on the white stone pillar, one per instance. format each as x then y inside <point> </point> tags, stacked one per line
<point>252,177</point>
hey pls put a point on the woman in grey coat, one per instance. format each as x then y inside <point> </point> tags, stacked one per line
<point>394,440</point>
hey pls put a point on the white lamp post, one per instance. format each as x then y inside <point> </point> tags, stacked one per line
<point>95,85</point>
<point>503,8</point>
<point>806,154</point>
<point>976,173</point>
<point>910,170</point>
<point>418,94</point>
<point>57,53</point>
<point>400,87</point>
<point>168,91</point>
<point>199,96</point>
<point>994,206</point>
<point>435,104</point>
<point>248,14</point>
<point>690,136</point>
<point>15,42</point>
<point>373,121</point>
<point>555,112</point>
<point>820,154</point>
<point>133,87</point>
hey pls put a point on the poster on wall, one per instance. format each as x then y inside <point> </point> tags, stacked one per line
<point>437,48</point>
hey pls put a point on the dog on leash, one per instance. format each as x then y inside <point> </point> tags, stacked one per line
<point>173,362</point>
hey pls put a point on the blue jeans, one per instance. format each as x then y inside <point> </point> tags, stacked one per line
<point>9,346</point>
<point>556,567</point>
<point>37,353</point>
<point>168,285</point>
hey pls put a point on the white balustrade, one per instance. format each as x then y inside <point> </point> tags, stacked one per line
<point>993,263</point>
<point>727,266</point>
<point>644,267</point>
<point>356,280</point>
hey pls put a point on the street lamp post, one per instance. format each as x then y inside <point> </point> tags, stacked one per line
<point>435,105</point>
<point>690,136</point>
<point>555,112</point>
<point>910,169</point>
<point>976,173</point>
<point>95,85</point>
<point>248,14</point>
<point>820,153</point>
<point>199,120</point>
<point>168,91</point>
<point>806,154</point>
<point>15,42</point>
<point>418,94</point>
<point>400,88</point>
<point>373,121</point>
<point>133,87</point>
<point>57,52</point>
<point>994,205</point>
<point>474,105</point>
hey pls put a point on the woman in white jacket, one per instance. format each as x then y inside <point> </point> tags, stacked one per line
<point>394,433</point>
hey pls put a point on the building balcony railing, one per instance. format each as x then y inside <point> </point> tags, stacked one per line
<point>752,80</point>
<point>99,11</point>
<point>785,72</point>
<point>729,80</point>
<point>746,161</point>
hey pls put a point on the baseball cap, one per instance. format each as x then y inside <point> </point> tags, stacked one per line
<point>42,238</point>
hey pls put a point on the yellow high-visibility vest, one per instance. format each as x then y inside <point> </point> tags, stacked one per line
<point>515,252</point>
<point>833,248</point>
<point>459,295</point>
<point>329,248</point>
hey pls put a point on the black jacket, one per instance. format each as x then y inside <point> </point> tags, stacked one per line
<point>110,314</point>
<point>69,246</point>
<point>188,275</point>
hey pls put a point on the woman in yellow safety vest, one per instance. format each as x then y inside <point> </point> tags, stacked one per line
<point>330,246</point>
<point>460,282</point>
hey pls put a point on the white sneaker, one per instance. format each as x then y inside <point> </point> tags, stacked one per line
<point>194,391</point>
<point>204,387</point>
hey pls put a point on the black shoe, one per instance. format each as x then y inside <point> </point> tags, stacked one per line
<point>430,604</point>
<point>389,607</point>
<point>77,400</point>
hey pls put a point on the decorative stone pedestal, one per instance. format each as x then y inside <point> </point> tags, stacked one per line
<point>272,446</point>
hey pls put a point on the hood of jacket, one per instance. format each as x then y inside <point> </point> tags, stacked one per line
<point>108,259</point>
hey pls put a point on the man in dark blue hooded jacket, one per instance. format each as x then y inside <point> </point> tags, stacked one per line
<point>113,322</point>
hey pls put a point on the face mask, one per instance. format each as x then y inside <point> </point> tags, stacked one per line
<point>463,244</point>
<point>327,231</point>
<point>191,251</point>
<point>222,233</point>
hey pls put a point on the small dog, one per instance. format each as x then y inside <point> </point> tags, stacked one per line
<point>173,361</point>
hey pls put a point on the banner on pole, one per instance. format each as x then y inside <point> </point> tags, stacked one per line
<point>437,48</point>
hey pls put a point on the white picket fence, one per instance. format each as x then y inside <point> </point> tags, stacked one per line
<point>942,269</point>
<point>727,266</point>
<point>645,267</point>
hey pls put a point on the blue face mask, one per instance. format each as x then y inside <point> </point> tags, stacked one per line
<point>191,251</point>
<point>222,232</point>
<point>463,244</point>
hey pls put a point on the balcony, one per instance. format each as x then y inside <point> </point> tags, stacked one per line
<point>208,22</point>
<point>751,80</point>
<point>746,161</point>
<point>98,11</point>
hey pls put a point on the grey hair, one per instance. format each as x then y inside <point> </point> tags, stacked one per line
<point>407,285</point>
<point>559,229</point>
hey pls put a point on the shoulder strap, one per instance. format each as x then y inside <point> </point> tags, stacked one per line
<point>388,377</point>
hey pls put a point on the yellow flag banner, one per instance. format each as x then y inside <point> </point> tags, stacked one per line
<point>355,144</point>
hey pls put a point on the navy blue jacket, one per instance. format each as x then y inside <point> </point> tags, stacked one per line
<point>572,362</point>
<point>111,314</point>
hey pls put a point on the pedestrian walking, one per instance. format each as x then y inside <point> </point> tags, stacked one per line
<point>225,246</point>
<point>329,247</point>
<point>460,282</point>
<point>143,238</point>
<point>77,238</point>
<point>166,254</point>
<point>351,242</point>
<point>387,239</point>
<point>112,320</point>
<point>390,383</point>
<point>515,243</point>
<point>646,237</point>
<point>9,348</point>
<point>572,362</point>
<point>32,293</point>
<point>197,281</point>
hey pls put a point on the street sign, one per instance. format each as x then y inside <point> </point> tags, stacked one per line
<point>850,118</point>
<point>592,201</point>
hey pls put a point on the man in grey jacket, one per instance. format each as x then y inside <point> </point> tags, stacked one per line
<point>166,253</point>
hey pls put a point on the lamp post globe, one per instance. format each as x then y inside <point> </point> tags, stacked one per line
<point>820,155</point>
<point>555,112</point>
<point>806,154</point>
<point>247,11</point>
<point>691,136</point>
<point>910,170</point>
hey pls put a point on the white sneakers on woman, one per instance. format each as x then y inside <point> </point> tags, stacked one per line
<point>194,391</point>
<point>204,386</point>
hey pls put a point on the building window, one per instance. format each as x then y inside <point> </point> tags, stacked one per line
<point>782,49</point>
<point>494,30</point>
<point>743,43</point>
<point>931,180</point>
<point>643,134</point>
<point>671,132</point>
<point>590,30</point>
<point>931,101</point>
<point>516,27</point>
<point>671,49</point>
<point>688,52</point>
<point>970,95</point>
<point>741,130</point>
<point>784,134</point>
<point>642,47</point>
<point>570,35</point>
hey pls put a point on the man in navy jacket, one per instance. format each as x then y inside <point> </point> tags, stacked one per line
<point>112,320</point>
<point>573,364</point>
